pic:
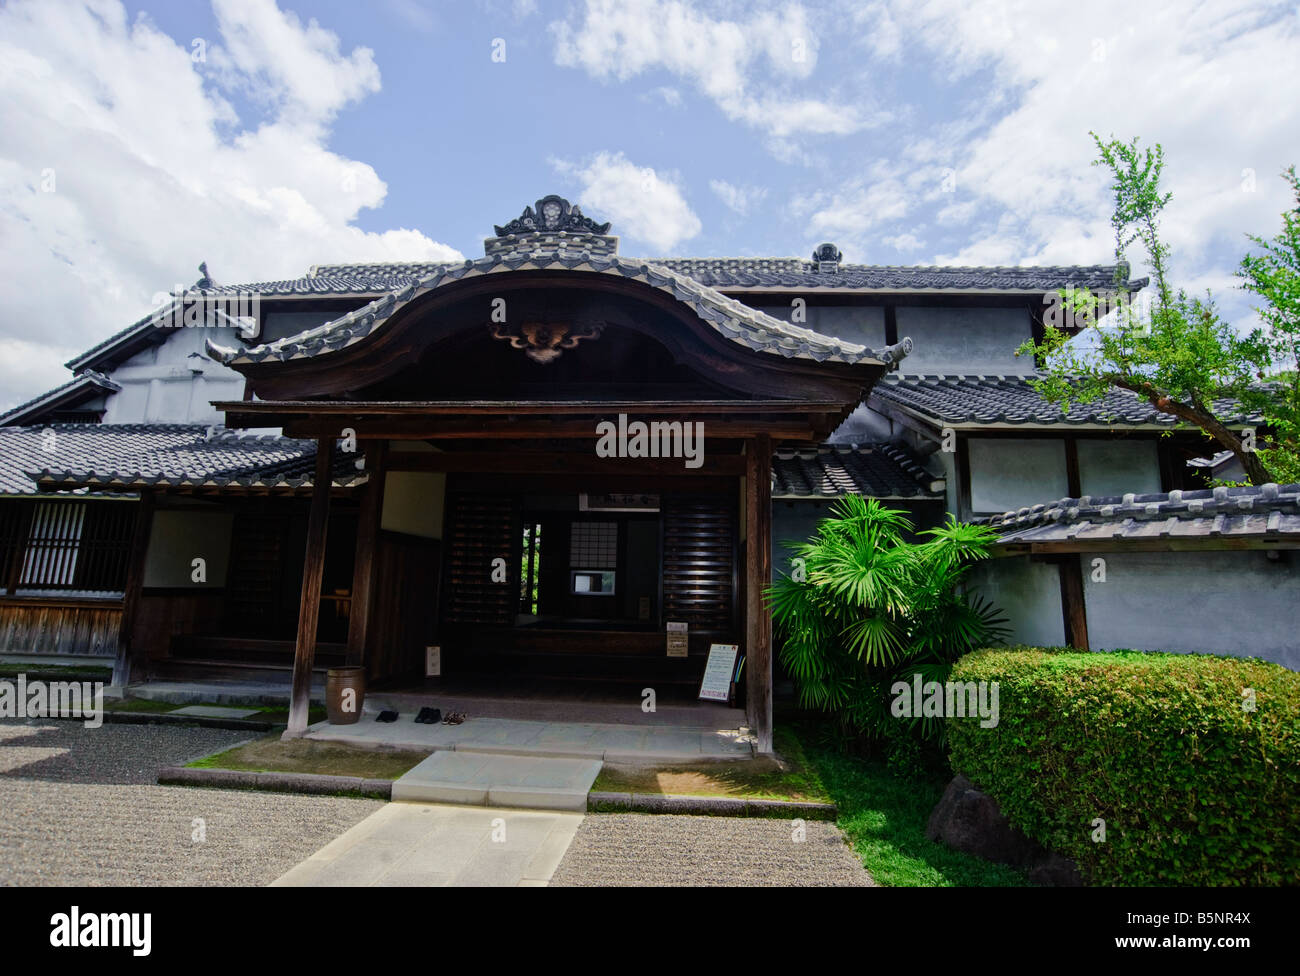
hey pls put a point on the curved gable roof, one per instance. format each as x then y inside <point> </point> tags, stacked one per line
<point>730,318</point>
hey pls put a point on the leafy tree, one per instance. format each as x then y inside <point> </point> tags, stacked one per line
<point>1274,275</point>
<point>870,608</point>
<point>1178,354</point>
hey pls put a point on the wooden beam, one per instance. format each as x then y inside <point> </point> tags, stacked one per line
<point>517,462</point>
<point>636,409</point>
<point>507,428</point>
<point>363,565</point>
<point>1073,486</point>
<point>1074,610</point>
<point>758,576</point>
<point>313,571</point>
<point>123,663</point>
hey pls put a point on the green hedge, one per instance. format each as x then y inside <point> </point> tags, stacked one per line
<point>1194,788</point>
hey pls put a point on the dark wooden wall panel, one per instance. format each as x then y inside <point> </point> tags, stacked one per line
<point>405,610</point>
<point>699,561</point>
<point>479,529</point>
<point>59,627</point>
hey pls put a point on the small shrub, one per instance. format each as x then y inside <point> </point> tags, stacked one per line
<point>1195,788</point>
<point>873,608</point>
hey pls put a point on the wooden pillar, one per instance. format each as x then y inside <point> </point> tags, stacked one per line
<point>123,663</point>
<point>363,566</point>
<point>313,571</point>
<point>758,576</point>
<point>1074,610</point>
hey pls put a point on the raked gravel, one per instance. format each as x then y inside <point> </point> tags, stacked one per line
<point>620,849</point>
<point>77,807</point>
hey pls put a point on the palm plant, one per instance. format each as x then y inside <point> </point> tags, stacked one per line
<point>870,608</point>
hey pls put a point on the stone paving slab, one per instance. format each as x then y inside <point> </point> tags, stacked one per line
<point>434,845</point>
<point>214,711</point>
<point>543,739</point>
<point>486,779</point>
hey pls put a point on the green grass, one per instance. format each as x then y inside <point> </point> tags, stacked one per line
<point>275,713</point>
<point>883,814</point>
<point>272,755</point>
<point>790,777</point>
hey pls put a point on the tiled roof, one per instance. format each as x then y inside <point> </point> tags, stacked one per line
<point>1255,512</point>
<point>877,470</point>
<point>985,400</point>
<point>727,316</point>
<point>758,273</point>
<point>370,280</point>
<point>127,457</point>
<point>88,382</point>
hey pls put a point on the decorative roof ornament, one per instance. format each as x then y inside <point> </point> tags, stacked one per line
<point>205,281</point>
<point>552,213</point>
<point>827,257</point>
<point>544,342</point>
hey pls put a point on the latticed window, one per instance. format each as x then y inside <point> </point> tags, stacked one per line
<point>67,545</point>
<point>593,558</point>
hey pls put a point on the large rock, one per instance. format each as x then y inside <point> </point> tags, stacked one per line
<point>967,820</point>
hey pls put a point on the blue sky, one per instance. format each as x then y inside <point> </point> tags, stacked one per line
<point>312,132</point>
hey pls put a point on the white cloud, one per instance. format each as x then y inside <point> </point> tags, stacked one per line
<point>746,66</point>
<point>641,203</point>
<point>904,242</point>
<point>853,213</point>
<point>152,171</point>
<point>740,199</point>
<point>1212,82</point>
<point>667,94</point>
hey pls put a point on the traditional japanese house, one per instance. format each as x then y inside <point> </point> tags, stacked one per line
<point>536,460</point>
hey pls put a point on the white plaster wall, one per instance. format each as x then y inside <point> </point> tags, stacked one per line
<point>177,537</point>
<point>862,324</point>
<point>1010,473</point>
<point>1028,594</point>
<point>159,384</point>
<point>413,503</point>
<point>964,340</point>
<point>1237,603</point>
<point>1116,467</point>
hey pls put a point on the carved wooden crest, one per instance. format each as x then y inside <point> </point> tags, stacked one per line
<point>544,342</point>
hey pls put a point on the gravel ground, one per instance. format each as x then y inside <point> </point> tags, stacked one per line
<point>77,808</point>
<point>620,849</point>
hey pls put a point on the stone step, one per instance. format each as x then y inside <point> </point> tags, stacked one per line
<point>492,779</point>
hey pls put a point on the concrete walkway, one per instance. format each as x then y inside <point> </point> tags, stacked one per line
<point>483,779</point>
<point>580,740</point>
<point>433,845</point>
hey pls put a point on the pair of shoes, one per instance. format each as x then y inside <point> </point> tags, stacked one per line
<point>454,718</point>
<point>429,716</point>
<point>386,716</point>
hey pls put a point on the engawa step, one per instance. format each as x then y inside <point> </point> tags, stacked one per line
<point>487,779</point>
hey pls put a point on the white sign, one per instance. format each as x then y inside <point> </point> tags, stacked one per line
<point>716,685</point>
<point>432,662</point>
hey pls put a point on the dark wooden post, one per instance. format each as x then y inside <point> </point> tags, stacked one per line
<point>1074,610</point>
<point>123,663</point>
<point>313,571</point>
<point>363,567</point>
<point>758,576</point>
